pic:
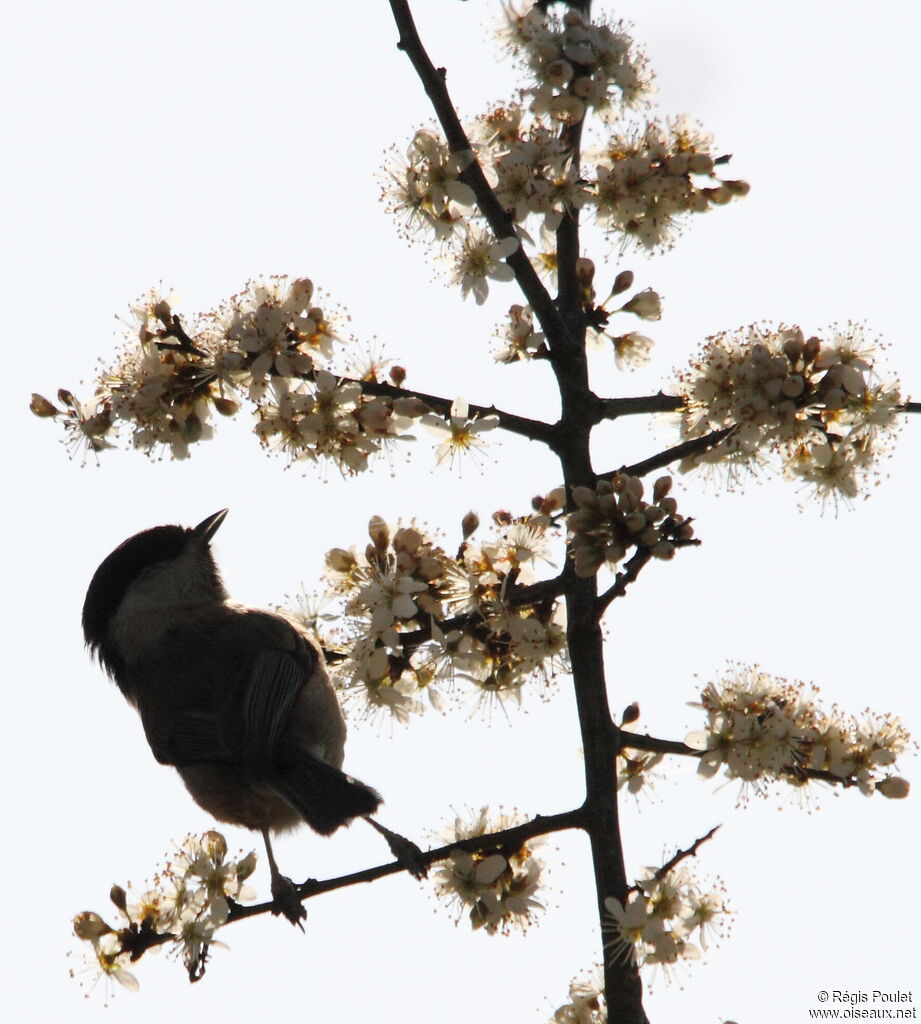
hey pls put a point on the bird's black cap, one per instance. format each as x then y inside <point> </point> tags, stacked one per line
<point>122,567</point>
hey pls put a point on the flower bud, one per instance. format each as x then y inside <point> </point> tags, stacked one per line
<point>893,788</point>
<point>119,897</point>
<point>567,109</point>
<point>246,866</point>
<point>558,72</point>
<point>718,196</point>
<point>585,271</point>
<point>411,407</point>
<point>214,845</point>
<point>700,163</point>
<point>226,406</point>
<point>379,533</point>
<point>661,488</point>
<point>469,524</point>
<point>647,305</point>
<point>686,531</point>
<point>301,291</point>
<point>631,714</point>
<point>40,406</point>
<point>582,87</point>
<point>90,927</point>
<point>397,375</point>
<point>622,282</point>
<point>340,560</point>
<point>664,550</point>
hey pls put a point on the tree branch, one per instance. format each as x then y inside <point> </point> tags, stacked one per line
<point>683,854</point>
<point>696,446</point>
<point>622,580</point>
<point>655,745</point>
<point>499,220</point>
<point>137,939</point>
<point>534,430</point>
<point>518,597</point>
<point>613,408</point>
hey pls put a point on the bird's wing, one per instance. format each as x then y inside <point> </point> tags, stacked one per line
<point>189,738</point>
<point>239,719</point>
<point>275,680</point>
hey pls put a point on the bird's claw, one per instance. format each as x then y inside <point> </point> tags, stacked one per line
<point>286,901</point>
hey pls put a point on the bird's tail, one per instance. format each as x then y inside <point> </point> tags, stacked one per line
<point>324,796</point>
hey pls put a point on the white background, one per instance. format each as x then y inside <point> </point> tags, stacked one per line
<point>202,145</point>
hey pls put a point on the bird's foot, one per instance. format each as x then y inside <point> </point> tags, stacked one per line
<point>286,900</point>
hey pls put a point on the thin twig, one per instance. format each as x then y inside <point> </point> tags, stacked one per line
<point>623,579</point>
<point>683,854</point>
<point>696,446</point>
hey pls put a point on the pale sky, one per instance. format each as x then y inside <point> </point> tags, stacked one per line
<point>201,147</point>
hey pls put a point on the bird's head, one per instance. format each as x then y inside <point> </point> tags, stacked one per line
<point>161,569</point>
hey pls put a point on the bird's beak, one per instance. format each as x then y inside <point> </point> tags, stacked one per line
<point>207,528</point>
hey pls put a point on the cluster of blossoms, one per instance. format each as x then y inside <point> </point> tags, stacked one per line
<point>631,349</point>
<point>613,519</point>
<point>817,405</point>
<point>414,616</point>
<point>577,64</point>
<point>643,188</point>
<point>520,340</point>
<point>645,182</point>
<point>497,890</point>
<point>188,901</point>
<point>423,189</point>
<point>586,1002</point>
<point>664,912</point>
<point>269,345</point>
<point>762,729</point>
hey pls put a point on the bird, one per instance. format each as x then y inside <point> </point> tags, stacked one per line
<point>236,699</point>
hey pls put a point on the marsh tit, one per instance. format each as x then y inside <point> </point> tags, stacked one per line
<point>236,699</point>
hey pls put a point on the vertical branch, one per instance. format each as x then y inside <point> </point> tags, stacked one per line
<point>623,987</point>
<point>567,235</point>
<point>563,322</point>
